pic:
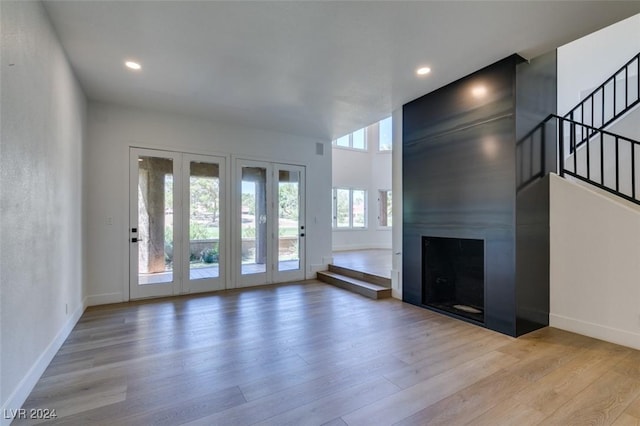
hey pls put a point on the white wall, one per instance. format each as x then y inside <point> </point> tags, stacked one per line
<point>585,63</point>
<point>41,243</point>
<point>113,129</point>
<point>595,264</point>
<point>369,170</point>
<point>628,125</point>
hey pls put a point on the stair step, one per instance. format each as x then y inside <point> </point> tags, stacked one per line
<point>363,276</point>
<point>367,289</point>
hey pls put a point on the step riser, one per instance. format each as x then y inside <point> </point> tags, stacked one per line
<point>373,279</point>
<point>367,292</point>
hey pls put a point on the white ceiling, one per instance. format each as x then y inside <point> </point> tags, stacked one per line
<point>315,68</point>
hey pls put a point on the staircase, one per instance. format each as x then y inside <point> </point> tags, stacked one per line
<point>368,285</point>
<point>586,151</point>
<point>610,101</point>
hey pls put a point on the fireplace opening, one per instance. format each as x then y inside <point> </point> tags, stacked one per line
<point>453,276</point>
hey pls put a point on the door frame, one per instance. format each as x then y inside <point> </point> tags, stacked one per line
<point>181,283</point>
<point>219,282</point>
<point>294,274</point>
<point>271,274</point>
<point>137,291</point>
<point>248,280</point>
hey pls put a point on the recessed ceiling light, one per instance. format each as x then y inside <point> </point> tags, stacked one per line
<point>423,71</point>
<point>133,65</point>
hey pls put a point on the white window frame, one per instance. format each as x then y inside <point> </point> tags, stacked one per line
<point>351,147</point>
<point>334,209</point>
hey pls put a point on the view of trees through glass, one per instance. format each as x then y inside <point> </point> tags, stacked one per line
<point>205,208</point>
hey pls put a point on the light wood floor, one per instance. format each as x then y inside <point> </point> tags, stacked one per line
<point>312,354</point>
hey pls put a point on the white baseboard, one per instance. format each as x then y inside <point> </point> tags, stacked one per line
<point>396,294</point>
<point>597,331</point>
<point>396,284</point>
<point>26,385</point>
<point>104,299</point>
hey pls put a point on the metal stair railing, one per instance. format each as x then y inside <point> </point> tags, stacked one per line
<point>610,100</point>
<point>607,160</point>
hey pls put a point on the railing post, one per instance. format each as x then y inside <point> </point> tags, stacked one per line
<point>633,170</point>
<point>561,146</point>
<point>602,110</point>
<point>602,158</point>
<point>617,166</point>
<point>615,89</point>
<point>626,89</point>
<point>588,159</point>
<point>572,141</point>
<point>582,121</point>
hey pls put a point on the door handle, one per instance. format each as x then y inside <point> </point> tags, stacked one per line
<point>136,240</point>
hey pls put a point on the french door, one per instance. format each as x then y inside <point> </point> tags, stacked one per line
<point>177,223</point>
<point>269,228</point>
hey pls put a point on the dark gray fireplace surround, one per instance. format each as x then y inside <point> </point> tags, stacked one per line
<point>459,181</point>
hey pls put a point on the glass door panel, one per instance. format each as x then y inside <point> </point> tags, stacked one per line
<point>204,213</point>
<point>205,222</point>
<point>290,229</point>
<point>153,219</point>
<point>269,230</point>
<point>253,220</point>
<point>288,220</point>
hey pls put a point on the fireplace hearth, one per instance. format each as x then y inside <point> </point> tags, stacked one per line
<point>453,276</point>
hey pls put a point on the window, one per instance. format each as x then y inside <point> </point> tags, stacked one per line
<point>356,140</point>
<point>343,141</point>
<point>349,208</point>
<point>385,208</point>
<point>386,136</point>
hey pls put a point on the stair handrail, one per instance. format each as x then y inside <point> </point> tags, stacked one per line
<point>598,135</point>
<point>590,99</point>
